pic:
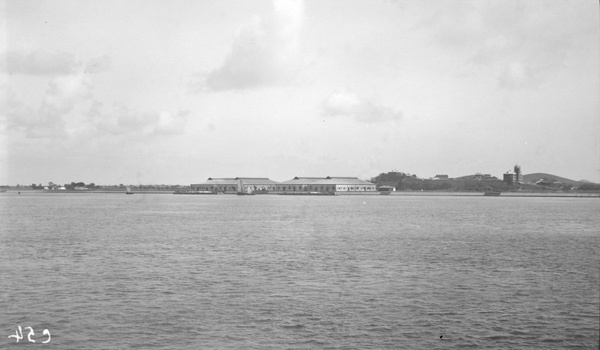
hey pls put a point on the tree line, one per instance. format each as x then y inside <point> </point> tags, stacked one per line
<point>402,181</point>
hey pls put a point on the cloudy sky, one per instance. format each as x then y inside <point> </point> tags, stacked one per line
<point>174,92</point>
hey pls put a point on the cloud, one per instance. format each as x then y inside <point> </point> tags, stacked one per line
<point>171,124</point>
<point>524,41</point>
<point>264,52</point>
<point>33,123</point>
<point>69,84</point>
<point>517,75</point>
<point>348,104</point>
<point>98,64</point>
<point>122,120</point>
<point>39,63</point>
<point>63,92</point>
<point>13,112</point>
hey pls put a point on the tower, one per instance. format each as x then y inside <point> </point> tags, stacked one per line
<point>519,174</point>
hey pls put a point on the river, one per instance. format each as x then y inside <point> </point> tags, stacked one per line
<point>152,271</point>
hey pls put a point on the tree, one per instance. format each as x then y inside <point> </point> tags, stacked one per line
<point>392,178</point>
<point>589,187</point>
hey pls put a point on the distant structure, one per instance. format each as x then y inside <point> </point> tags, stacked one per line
<point>246,185</point>
<point>518,173</point>
<point>441,177</point>
<point>513,177</point>
<point>330,185</point>
<point>478,177</point>
<point>326,185</point>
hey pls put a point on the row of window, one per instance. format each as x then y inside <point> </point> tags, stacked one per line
<point>322,188</point>
<point>310,188</point>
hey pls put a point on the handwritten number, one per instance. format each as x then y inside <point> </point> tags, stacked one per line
<point>30,334</point>
<point>19,334</point>
<point>45,332</point>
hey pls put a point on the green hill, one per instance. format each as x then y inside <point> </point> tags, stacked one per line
<point>532,178</point>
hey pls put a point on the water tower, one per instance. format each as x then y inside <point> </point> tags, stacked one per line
<point>519,174</point>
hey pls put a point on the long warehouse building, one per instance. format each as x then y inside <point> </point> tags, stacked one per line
<point>330,185</point>
<point>235,185</point>
<point>327,185</point>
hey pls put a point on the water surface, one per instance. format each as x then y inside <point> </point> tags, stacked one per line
<point>109,271</point>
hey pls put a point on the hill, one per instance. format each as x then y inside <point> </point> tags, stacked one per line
<point>532,178</point>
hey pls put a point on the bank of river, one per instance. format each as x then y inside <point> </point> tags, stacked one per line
<point>396,193</point>
<point>502,194</point>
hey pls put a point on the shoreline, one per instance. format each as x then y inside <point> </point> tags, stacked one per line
<point>502,194</point>
<point>395,193</point>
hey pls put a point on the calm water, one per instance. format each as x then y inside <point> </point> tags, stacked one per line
<point>109,271</point>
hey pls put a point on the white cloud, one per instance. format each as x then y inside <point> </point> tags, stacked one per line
<point>525,43</point>
<point>121,120</point>
<point>171,124</point>
<point>63,92</point>
<point>346,103</point>
<point>264,52</point>
<point>517,75</point>
<point>13,113</point>
<point>69,84</point>
<point>39,62</point>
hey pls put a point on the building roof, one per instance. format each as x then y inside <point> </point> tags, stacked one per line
<point>329,180</point>
<point>236,181</point>
<point>218,181</point>
<point>257,181</point>
<point>326,181</point>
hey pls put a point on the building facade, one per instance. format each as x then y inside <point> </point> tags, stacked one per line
<point>299,185</point>
<point>228,185</point>
<point>216,185</point>
<point>256,185</point>
<point>519,174</point>
<point>510,178</point>
<point>513,177</point>
<point>326,185</point>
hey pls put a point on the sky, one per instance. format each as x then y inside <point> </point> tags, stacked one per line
<point>174,92</point>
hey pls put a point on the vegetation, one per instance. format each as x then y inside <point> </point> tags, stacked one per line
<point>401,181</point>
<point>478,183</point>
<point>589,187</point>
<point>393,178</point>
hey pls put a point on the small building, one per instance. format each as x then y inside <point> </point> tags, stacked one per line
<point>385,188</point>
<point>326,185</point>
<point>441,177</point>
<point>509,177</point>
<point>513,177</point>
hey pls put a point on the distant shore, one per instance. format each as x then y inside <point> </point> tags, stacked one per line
<point>502,194</point>
<point>395,193</point>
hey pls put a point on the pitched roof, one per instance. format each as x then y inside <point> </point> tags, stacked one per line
<point>236,181</point>
<point>326,181</point>
<point>257,181</point>
<point>218,181</point>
